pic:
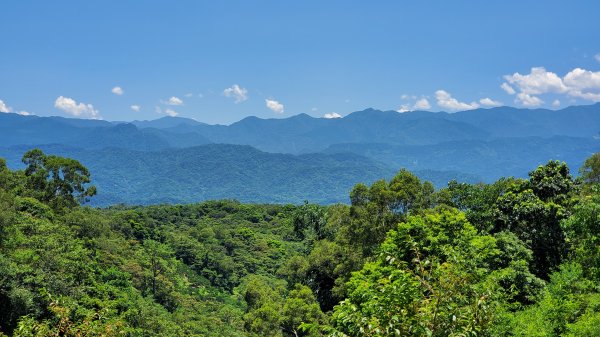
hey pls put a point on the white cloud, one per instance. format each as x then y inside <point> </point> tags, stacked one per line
<point>332,115</point>
<point>556,103</point>
<point>578,83</point>
<point>171,112</point>
<point>489,102</point>
<point>24,113</point>
<point>538,81</point>
<point>446,101</point>
<point>314,109</point>
<point>597,57</point>
<point>189,94</point>
<point>173,101</point>
<point>422,104</point>
<point>528,100</point>
<point>238,93</point>
<point>404,96</point>
<point>274,105</point>
<point>73,108</point>
<point>4,108</point>
<point>136,108</point>
<point>506,87</point>
<point>404,108</point>
<point>117,91</point>
<point>579,80</point>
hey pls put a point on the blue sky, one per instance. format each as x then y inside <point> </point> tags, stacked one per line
<point>221,61</point>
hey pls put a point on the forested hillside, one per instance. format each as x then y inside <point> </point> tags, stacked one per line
<point>218,171</point>
<point>517,257</point>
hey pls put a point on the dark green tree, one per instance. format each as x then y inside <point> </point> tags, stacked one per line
<point>59,182</point>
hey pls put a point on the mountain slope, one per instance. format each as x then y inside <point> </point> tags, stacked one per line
<point>489,160</point>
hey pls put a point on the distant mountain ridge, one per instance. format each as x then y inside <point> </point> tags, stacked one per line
<point>305,134</point>
<point>481,144</point>
<point>218,171</point>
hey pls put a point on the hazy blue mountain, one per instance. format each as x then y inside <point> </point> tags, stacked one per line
<point>489,160</point>
<point>33,130</point>
<point>575,121</point>
<point>168,159</point>
<point>305,134</point>
<point>224,171</point>
<point>166,122</point>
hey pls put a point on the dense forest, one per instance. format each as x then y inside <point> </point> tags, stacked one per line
<point>518,257</point>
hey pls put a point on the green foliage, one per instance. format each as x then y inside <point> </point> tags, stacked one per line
<point>583,234</point>
<point>431,279</point>
<point>400,260</point>
<point>59,182</point>
<point>533,211</point>
<point>590,170</point>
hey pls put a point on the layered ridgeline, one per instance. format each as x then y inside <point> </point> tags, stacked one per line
<point>218,171</point>
<point>179,156</point>
<point>517,257</point>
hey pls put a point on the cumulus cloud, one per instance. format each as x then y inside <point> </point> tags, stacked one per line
<point>173,101</point>
<point>4,108</point>
<point>556,103</point>
<point>274,105</point>
<point>422,104</point>
<point>24,113</point>
<point>236,92</point>
<point>446,101</point>
<point>117,91</point>
<point>528,100</point>
<point>538,81</point>
<point>583,83</point>
<point>73,108</point>
<point>578,83</point>
<point>506,87</point>
<point>489,102</point>
<point>332,115</point>
<point>136,108</point>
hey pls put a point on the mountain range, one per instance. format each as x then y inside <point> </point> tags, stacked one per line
<point>174,159</point>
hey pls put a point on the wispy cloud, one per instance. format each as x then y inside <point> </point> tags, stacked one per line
<point>489,102</point>
<point>446,101</point>
<point>171,112</point>
<point>332,115</point>
<point>236,92</point>
<point>4,108</point>
<point>507,88</point>
<point>71,107</point>
<point>167,111</point>
<point>274,105</point>
<point>528,100</point>
<point>422,104</point>
<point>136,108</point>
